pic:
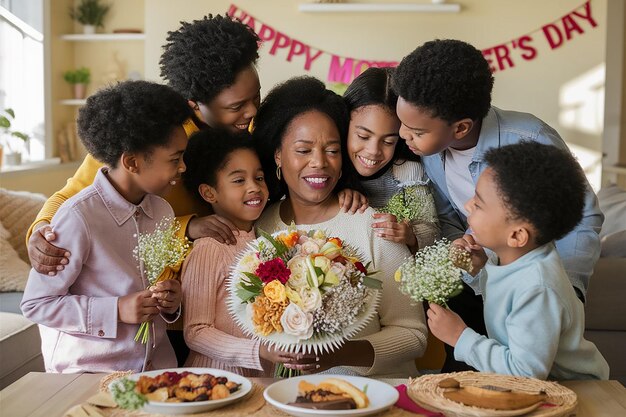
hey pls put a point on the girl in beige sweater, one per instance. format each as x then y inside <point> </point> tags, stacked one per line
<point>224,171</point>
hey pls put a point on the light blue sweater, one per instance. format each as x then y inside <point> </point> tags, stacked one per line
<point>534,321</point>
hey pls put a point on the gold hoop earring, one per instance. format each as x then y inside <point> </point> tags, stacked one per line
<point>278,172</point>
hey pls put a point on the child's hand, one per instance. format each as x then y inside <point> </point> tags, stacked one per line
<point>137,307</point>
<point>213,226</point>
<point>352,201</point>
<point>169,294</point>
<point>445,324</point>
<point>389,229</point>
<point>477,253</point>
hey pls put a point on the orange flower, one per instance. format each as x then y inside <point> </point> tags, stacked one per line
<point>290,239</point>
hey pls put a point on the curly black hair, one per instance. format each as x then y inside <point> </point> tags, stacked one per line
<point>208,152</point>
<point>449,78</point>
<point>131,116</point>
<point>373,88</point>
<point>541,184</point>
<point>203,57</point>
<point>284,103</point>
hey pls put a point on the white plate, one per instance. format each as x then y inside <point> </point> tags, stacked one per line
<point>381,395</point>
<point>197,406</point>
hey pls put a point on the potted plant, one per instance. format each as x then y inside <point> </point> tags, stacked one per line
<point>90,13</point>
<point>14,152</point>
<point>79,79</point>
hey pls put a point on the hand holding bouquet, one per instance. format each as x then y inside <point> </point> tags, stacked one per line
<point>302,291</point>
<point>432,274</point>
<point>161,254</point>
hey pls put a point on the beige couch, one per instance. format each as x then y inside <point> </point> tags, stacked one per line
<point>20,344</point>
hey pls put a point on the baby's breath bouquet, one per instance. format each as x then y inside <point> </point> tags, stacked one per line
<point>432,274</point>
<point>412,202</point>
<point>161,254</point>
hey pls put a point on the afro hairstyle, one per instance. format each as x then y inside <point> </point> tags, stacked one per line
<point>203,57</point>
<point>281,106</point>
<point>448,78</point>
<point>541,184</point>
<point>208,152</point>
<point>373,88</point>
<point>131,116</point>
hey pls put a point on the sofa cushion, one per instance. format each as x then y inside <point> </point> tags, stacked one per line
<point>13,270</point>
<point>605,308</point>
<point>20,345</point>
<point>612,202</point>
<point>18,210</point>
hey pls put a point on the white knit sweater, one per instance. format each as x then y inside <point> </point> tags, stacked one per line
<point>399,334</point>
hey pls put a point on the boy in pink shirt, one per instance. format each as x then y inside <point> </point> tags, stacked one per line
<point>89,313</point>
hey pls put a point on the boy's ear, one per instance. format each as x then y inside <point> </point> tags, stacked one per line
<point>208,193</point>
<point>463,127</point>
<point>129,162</point>
<point>519,236</point>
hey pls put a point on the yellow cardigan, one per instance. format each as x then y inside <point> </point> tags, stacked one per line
<point>184,204</point>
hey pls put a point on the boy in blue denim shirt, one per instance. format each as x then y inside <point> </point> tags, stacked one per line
<point>444,104</point>
<point>529,195</point>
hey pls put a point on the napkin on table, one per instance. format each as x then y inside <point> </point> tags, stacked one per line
<point>406,403</point>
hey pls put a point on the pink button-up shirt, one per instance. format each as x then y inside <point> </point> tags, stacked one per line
<point>77,309</point>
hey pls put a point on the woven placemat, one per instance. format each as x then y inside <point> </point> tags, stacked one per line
<point>425,391</point>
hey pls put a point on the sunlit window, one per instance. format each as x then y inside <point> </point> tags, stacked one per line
<point>22,75</point>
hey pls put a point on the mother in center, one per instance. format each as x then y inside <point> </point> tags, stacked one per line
<point>300,129</point>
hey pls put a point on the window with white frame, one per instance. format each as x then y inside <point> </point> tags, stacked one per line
<point>22,76</point>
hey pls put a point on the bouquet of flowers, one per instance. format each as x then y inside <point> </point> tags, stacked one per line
<point>412,202</point>
<point>161,254</point>
<point>434,273</point>
<point>302,291</point>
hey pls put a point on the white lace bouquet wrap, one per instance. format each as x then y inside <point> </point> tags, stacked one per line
<point>302,291</point>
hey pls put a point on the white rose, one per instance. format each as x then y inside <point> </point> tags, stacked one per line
<point>296,322</point>
<point>311,298</point>
<point>310,247</point>
<point>249,262</point>
<point>299,271</point>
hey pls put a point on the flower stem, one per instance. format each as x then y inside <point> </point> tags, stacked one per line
<point>143,332</point>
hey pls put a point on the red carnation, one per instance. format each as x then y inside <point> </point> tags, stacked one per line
<point>274,269</point>
<point>360,267</point>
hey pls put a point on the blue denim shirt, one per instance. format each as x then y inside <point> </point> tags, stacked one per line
<point>579,249</point>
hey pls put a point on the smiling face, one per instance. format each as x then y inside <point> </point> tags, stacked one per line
<point>161,169</point>
<point>424,135</point>
<point>372,138</point>
<point>240,193</point>
<point>235,106</point>
<point>310,158</point>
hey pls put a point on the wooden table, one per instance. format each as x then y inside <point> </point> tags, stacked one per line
<point>50,395</point>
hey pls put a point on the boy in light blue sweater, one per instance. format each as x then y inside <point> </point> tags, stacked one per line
<point>530,195</point>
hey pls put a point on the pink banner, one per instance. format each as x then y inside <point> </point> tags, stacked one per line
<point>500,57</point>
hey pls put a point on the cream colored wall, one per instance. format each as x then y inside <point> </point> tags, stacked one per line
<point>45,180</point>
<point>539,86</point>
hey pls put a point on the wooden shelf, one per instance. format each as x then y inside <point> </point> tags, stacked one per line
<point>100,37</point>
<point>379,7</point>
<point>73,102</point>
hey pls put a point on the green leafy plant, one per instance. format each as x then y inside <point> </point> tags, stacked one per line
<point>5,124</point>
<point>90,12</point>
<point>80,76</point>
